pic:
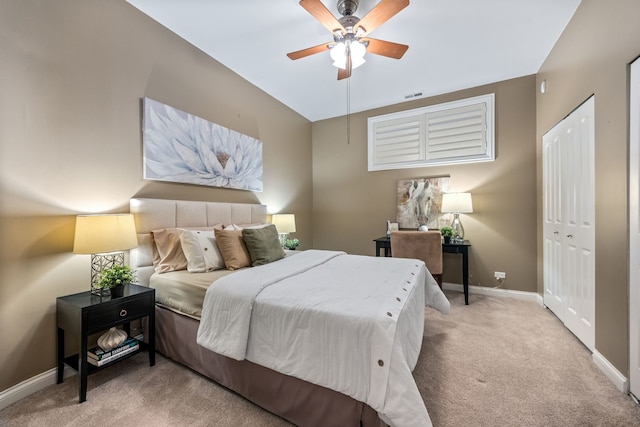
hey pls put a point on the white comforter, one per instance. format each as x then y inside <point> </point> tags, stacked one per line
<point>350,323</point>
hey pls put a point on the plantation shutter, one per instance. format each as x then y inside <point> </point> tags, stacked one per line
<point>399,140</point>
<point>450,133</point>
<point>457,132</point>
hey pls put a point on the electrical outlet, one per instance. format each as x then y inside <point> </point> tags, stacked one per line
<point>500,275</point>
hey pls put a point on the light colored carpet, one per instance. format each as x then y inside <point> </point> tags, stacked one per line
<point>496,362</point>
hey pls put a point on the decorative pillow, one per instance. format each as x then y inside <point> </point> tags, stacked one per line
<point>201,250</point>
<point>263,244</point>
<point>232,248</point>
<point>167,251</point>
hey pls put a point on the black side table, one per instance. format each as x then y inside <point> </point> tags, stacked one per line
<point>84,314</point>
<point>463,249</point>
<point>384,244</point>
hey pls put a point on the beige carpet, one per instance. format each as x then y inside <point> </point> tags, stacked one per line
<point>496,362</point>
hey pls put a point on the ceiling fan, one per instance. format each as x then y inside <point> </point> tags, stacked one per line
<point>350,33</point>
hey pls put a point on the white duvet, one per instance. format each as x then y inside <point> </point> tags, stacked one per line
<point>347,322</point>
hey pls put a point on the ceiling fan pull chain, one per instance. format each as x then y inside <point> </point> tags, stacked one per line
<point>348,111</point>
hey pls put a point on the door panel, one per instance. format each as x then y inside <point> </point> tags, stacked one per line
<point>568,225</point>
<point>552,223</point>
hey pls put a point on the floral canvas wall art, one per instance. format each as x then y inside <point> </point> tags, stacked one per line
<point>419,201</point>
<point>181,147</point>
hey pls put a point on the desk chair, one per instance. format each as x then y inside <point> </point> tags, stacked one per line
<point>422,245</point>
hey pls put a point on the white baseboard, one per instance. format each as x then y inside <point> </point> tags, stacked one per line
<point>498,292</point>
<point>619,380</point>
<point>30,386</point>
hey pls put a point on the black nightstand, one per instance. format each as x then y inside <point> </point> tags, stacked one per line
<point>84,314</point>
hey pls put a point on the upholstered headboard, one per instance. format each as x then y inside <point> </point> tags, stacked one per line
<point>153,214</point>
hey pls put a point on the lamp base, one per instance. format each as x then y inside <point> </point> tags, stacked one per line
<point>283,237</point>
<point>458,229</point>
<point>100,262</point>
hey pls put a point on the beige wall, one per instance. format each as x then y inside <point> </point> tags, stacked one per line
<point>591,57</point>
<point>351,205</point>
<point>71,80</point>
<point>72,76</point>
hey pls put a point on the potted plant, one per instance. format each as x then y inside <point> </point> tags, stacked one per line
<point>291,244</point>
<point>114,278</point>
<point>447,233</point>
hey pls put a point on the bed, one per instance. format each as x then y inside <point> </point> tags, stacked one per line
<point>253,335</point>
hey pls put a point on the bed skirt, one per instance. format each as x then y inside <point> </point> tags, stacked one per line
<point>295,400</point>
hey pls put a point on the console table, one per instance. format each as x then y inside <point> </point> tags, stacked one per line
<point>384,243</point>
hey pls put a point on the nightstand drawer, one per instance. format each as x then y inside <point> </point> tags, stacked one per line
<point>117,313</point>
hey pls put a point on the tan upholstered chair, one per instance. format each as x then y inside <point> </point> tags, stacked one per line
<point>422,245</point>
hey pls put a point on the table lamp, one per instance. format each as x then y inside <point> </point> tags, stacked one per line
<point>285,224</point>
<point>457,203</point>
<point>105,237</point>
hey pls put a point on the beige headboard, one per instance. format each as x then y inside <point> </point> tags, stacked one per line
<point>152,214</point>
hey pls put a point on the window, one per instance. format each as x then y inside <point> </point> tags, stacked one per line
<point>449,133</point>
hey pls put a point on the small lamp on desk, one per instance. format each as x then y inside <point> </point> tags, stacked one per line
<point>105,237</point>
<point>457,203</point>
<point>285,224</point>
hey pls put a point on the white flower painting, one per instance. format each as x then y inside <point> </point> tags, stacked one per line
<point>181,147</point>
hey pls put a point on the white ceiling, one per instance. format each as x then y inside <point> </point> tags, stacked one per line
<point>453,44</point>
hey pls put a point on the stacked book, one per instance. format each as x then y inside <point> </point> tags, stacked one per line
<point>99,357</point>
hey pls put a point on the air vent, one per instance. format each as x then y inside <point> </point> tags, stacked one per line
<point>413,95</point>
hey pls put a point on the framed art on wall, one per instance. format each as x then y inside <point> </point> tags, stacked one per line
<point>181,147</point>
<point>419,202</point>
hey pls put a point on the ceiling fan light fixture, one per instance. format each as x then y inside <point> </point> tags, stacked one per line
<point>341,50</point>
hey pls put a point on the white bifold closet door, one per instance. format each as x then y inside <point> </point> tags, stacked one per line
<point>634,230</point>
<point>568,221</point>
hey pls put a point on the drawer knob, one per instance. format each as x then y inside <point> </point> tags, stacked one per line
<point>123,312</point>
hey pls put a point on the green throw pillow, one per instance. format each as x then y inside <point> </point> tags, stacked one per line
<point>263,244</point>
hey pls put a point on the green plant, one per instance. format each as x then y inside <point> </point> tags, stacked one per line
<point>446,231</point>
<point>291,244</point>
<point>116,275</point>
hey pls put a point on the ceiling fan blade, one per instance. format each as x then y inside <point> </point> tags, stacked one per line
<point>309,51</point>
<point>346,72</point>
<point>385,48</point>
<point>323,15</point>
<point>382,12</point>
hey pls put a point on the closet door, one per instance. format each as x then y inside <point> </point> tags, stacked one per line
<point>634,231</point>
<point>553,227</point>
<point>569,232</point>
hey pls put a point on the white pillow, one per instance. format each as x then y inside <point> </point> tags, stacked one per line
<point>201,250</point>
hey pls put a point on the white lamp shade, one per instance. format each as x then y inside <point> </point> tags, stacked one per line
<point>285,223</point>
<point>357,54</point>
<point>97,234</point>
<point>339,55</point>
<point>457,203</point>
